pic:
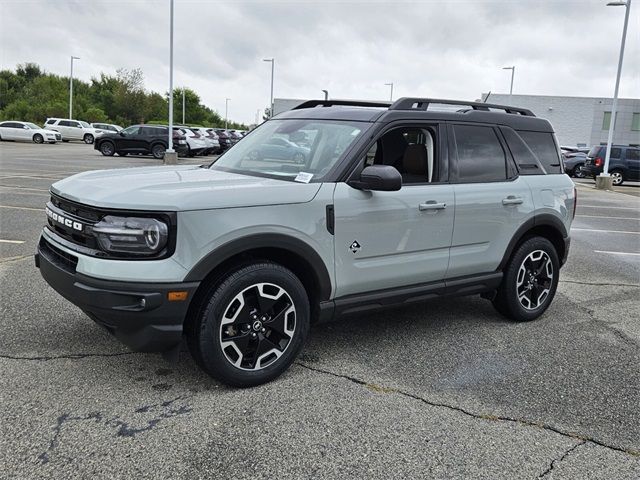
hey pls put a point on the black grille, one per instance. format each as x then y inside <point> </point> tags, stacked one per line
<point>58,257</point>
<point>82,213</point>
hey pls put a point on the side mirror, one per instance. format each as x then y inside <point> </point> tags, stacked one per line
<point>121,133</point>
<point>384,178</point>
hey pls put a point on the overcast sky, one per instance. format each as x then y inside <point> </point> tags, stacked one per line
<point>452,49</point>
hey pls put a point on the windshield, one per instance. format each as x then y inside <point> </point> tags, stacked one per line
<point>300,150</point>
<point>32,126</point>
<point>85,124</point>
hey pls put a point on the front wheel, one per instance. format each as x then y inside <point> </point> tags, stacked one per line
<point>107,149</point>
<point>88,139</point>
<point>529,282</point>
<point>250,328</point>
<point>37,138</point>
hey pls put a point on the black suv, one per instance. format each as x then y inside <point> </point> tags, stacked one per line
<point>624,163</point>
<point>140,139</point>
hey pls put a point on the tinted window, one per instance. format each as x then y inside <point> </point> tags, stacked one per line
<point>51,121</point>
<point>633,154</point>
<point>64,123</point>
<point>131,130</point>
<point>525,159</point>
<point>480,155</point>
<point>544,148</point>
<point>12,125</point>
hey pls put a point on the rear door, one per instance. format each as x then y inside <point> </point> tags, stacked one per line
<point>633,163</point>
<point>491,201</point>
<point>130,140</point>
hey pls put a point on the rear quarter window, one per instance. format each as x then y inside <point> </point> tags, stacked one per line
<point>543,146</point>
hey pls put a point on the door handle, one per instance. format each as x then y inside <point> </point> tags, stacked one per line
<point>512,200</point>
<point>432,205</point>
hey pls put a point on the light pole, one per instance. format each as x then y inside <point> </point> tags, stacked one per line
<point>273,62</point>
<point>183,121</point>
<point>71,88</point>
<point>170,156</point>
<point>226,113</point>
<point>326,94</point>
<point>513,72</point>
<point>391,95</point>
<point>604,181</point>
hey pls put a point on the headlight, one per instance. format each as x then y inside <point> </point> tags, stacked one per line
<point>134,235</point>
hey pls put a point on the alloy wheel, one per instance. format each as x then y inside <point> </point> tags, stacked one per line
<point>534,280</point>
<point>257,326</point>
<point>617,178</point>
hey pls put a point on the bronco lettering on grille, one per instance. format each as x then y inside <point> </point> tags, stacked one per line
<point>62,220</point>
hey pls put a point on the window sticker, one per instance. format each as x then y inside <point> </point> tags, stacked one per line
<point>304,177</point>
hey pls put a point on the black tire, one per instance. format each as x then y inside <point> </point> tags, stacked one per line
<point>618,177</point>
<point>157,151</point>
<point>511,296</point>
<point>190,154</point>
<point>122,154</point>
<point>260,342</point>
<point>65,141</point>
<point>107,148</point>
<point>577,171</point>
<point>88,139</point>
<point>37,138</point>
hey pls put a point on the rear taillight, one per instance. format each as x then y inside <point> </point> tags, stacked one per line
<point>575,202</point>
<point>598,162</point>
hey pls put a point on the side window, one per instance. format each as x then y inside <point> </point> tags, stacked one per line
<point>526,160</point>
<point>544,147</point>
<point>480,155</point>
<point>615,152</point>
<point>633,154</point>
<point>64,123</point>
<point>131,130</point>
<point>74,124</point>
<point>51,121</point>
<point>411,150</point>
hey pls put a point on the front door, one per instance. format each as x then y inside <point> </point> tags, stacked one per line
<point>385,240</point>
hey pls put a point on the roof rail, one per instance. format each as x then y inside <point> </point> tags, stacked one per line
<point>409,103</point>
<point>346,103</point>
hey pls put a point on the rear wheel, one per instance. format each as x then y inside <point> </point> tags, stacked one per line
<point>37,138</point>
<point>107,149</point>
<point>529,282</point>
<point>158,151</point>
<point>617,177</point>
<point>88,139</point>
<point>577,171</point>
<point>251,326</point>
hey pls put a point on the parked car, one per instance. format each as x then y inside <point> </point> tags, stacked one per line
<point>215,136</point>
<point>72,129</point>
<point>27,132</point>
<point>241,257</point>
<point>142,140</point>
<point>210,139</point>
<point>624,163</point>
<point>279,148</point>
<point>224,139</point>
<point>106,127</point>
<point>196,145</point>
<point>573,159</point>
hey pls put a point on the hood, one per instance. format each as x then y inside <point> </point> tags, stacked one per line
<point>179,188</point>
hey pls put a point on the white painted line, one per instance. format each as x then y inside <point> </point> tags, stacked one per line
<point>17,187</point>
<point>603,231</point>
<point>605,216</point>
<point>608,207</point>
<point>617,253</point>
<point>22,208</point>
<point>11,241</point>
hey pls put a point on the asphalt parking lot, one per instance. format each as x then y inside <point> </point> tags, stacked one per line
<point>445,389</point>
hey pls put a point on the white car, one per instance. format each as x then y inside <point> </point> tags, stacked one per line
<point>102,128</point>
<point>195,142</point>
<point>72,129</point>
<point>210,137</point>
<point>27,132</point>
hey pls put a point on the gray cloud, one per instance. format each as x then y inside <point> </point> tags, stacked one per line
<point>433,48</point>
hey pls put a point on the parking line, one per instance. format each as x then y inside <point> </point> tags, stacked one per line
<point>606,216</point>
<point>17,187</point>
<point>603,231</point>
<point>22,208</point>
<point>18,242</point>
<point>617,253</point>
<point>608,207</point>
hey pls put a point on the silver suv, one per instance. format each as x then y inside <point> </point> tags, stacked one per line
<point>393,203</point>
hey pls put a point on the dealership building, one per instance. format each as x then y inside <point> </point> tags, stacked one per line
<point>578,121</point>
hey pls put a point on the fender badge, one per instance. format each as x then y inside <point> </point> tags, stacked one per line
<point>355,247</point>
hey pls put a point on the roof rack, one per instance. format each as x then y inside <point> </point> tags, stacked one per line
<point>409,103</point>
<point>346,103</point>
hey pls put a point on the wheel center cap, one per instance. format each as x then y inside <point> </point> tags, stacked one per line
<point>257,325</point>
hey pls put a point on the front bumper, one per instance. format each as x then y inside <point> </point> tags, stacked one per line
<point>138,314</point>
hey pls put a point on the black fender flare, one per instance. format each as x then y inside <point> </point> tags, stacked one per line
<point>265,240</point>
<point>544,219</point>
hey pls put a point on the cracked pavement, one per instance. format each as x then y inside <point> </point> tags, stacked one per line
<point>444,389</point>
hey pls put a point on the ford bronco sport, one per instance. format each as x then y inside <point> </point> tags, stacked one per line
<point>394,203</point>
